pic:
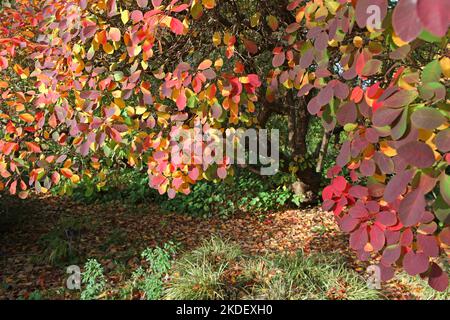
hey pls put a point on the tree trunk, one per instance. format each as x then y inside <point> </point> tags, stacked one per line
<point>308,182</point>
<point>322,151</point>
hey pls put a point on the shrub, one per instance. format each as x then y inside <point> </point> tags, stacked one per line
<point>93,280</point>
<point>151,280</point>
<point>60,245</point>
<point>244,192</point>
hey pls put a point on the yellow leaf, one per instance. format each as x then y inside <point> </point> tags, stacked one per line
<point>380,177</point>
<point>23,73</point>
<point>398,42</point>
<point>321,12</point>
<point>119,102</point>
<point>250,106</point>
<point>140,110</point>
<point>404,85</point>
<point>254,20</point>
<point>387,150</point>
<point>125,16</point>
<point>358,42</point>
<point>445,66</point>
<point>217,39</point>
<point>218,64</point>
<point>425,135</point>
<point>227,37</point>
<point>75,178</point>
<point>108,48</point>
<point>130,111</point>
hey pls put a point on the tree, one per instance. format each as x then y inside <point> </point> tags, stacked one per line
<point>88,86</point>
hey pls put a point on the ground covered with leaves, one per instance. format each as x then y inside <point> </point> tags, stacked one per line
<point>40,237</point>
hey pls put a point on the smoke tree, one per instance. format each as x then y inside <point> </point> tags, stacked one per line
<point>87,86</point>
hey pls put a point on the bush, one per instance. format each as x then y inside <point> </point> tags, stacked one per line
<point>244,192</point>
<point>60,245</point>
<point>151,280</point>
<point>93,279</point>
<point>126,185</point>
<point>146,282</point>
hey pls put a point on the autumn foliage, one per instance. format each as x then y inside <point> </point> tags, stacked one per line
<point>87,86</point>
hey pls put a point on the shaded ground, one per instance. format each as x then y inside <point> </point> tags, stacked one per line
<point>115,235</point>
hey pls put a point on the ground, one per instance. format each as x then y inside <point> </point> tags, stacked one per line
<point>115,235</point>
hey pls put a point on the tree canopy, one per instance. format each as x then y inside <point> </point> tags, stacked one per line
<point>89,86</point>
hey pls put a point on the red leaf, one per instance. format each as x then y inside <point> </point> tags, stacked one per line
<point>347,113</point>
<point>377,238</point>
<point>434,15</point>
<point>339,183</point>
<point>137,16</point>
<point>114,134</point>
<point>417,153</point>
<point>348,223</point>
<point>142,3</point>
<point>222,172</point>
<point>156,3</point>
<point>412,208</point>
<point>372,67</point>
<point>358,192</point>
<point>390,255</point>
<point>397,185</point>
<point>292,27</point>
<point>251,46</point>
<point>387,218</point>
<point>428,245</point>
<point>181,100</point>
<point>438,279</point>
<point>176,26</point>
<point>443,140</point>
<point>415,263</point>
<point>278,59</point>
<point>359,238</point>
<point>357,94</point>
<point>444,236</point>
<point>405,20</point>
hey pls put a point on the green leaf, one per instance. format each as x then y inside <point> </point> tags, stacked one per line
<point>192,102</point>
<point>431,72</point>
<point>428,37</point>
<point>442,210</point>
<point>350,127</point>
<point>445,188</point>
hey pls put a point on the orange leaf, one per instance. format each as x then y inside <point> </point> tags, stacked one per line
<point>209,4</point>
<point>33,147</point>
<point>205,65</point>
<point>27,117</point>
<point>66,172</point>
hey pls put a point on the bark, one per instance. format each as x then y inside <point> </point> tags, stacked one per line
<point>308,182</point>
<point>322,151</point>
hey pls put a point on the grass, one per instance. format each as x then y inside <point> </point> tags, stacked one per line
<point>218,270</point>
<point>419,288</point>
